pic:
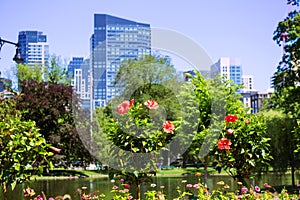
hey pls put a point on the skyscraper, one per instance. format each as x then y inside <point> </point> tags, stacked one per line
<point>230,68</point>
<point>34,48</point>
<point>114,39</point>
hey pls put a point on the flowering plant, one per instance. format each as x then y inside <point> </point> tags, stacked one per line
<point>142,127</point>
<point>137,131</point>
<point>242,146</point>
<point>121,191</point>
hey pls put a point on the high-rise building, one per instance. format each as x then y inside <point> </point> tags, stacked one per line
<point>230,68</point>
<point>114,39</point>
<point>79,72</point>
<point>34,48</point>
<point>75,63</point>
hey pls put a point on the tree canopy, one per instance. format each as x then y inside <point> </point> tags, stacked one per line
<point>286,80</point>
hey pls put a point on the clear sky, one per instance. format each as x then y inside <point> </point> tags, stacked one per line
<point>224,28</point>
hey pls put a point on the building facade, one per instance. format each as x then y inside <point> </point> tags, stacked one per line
<point>248,82</point>
<point>114,39</point>
<point>79,72</point>
<point>75,63</point>
<point>230,68</point>
<point>254,100</point>
<point>34,48</point>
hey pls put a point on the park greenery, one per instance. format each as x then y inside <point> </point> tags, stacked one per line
<point>23,148</point>
<point>157,117</point>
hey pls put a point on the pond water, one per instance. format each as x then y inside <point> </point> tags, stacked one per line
<point>59,187</point>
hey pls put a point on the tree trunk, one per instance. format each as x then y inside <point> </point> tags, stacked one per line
<point>293,175</point>
<point>4,190</point>
<point>138,188</point>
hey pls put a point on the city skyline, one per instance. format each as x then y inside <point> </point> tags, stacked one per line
<point>227,29</point>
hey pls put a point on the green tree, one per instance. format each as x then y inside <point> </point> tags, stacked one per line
<point>23,148</point>
<point>149,77</point>
<point>25,72</point>
<point>56,73</point>
<point>287,78</point>
<point>247,148</point>
<point>138,135</point>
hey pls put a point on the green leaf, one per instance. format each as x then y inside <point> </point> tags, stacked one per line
<point>13,185</point>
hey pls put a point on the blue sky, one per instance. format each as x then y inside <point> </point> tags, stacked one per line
<point>231,28</point>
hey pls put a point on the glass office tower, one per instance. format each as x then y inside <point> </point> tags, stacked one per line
<point>34,48</point>
<point>114,39</point>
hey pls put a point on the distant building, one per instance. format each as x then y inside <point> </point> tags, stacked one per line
<point>257,100</point>
<point>34,48</point>
<point>254,99</point>
<point>75,63</point>
<point>230,68</point>
<point>248,83</point>
<point>5,84</point>
<point>114,39</point>
<point>79,73</point>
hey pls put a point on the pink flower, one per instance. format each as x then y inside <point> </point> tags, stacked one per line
<point>230,131</point>
<point>224,143</point>
<point>39,197</point>
<point>151,104</point>
<point>247,121</point>
<point>121,180</point>
<point>257,189</point>
<point>231,118</point>
<point>244,190</point>
<point>125,106</point>
<point>266,185</point>
<point>126,185</point>
<point>153,185</point>
<point>168,127</point>
<point>189,185</point>
<point>57,150</point>
<point>196,186</point>
<point>115,187</point>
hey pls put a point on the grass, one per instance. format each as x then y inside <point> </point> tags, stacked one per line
<point>188,171</point>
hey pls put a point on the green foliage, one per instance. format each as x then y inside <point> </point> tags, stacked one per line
<point>286,81</point>
<point>149,77</point>
<point>23,148</point>
<point>25,72</point>
<point>283,142</point>
<point>133,140</point>
<point>249,149</point>
<point>56,73</point>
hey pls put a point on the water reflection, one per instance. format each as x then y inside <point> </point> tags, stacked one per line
<point>69,186</point>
